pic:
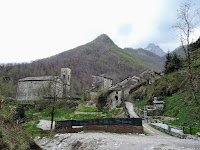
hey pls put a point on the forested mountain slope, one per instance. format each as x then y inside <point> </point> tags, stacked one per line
<point>100,56</point>
<point>148,58</point>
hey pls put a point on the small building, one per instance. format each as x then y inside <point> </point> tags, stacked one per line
<point>150,76</point>
<point>100,82</point>
<point>30,88</point>
<point>158,104</point>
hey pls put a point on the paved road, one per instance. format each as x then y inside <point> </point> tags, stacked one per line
<point>147,127</point>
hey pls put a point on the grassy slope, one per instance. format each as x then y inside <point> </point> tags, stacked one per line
<point>175,91</point>
<point>12,136</point>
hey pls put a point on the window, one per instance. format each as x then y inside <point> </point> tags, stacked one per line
<point>68,77</point>
<point>116,97</point>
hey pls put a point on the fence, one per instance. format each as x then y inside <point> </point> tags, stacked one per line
<point>106,121</point>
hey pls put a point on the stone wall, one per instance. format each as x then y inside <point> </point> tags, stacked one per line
<point>29,89</point>
<point>32,88</point>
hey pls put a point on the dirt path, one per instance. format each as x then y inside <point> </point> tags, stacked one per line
<point>147,127</point>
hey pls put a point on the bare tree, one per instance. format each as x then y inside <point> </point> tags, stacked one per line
<point>187,22</point>
<point>51,90</point>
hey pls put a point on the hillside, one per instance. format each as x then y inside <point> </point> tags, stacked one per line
<point>99,56</point>
<point>179,50</point>
<point>174,89</point>
<point>147,57</point>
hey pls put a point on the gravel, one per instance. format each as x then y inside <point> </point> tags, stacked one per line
<point>113,141</point>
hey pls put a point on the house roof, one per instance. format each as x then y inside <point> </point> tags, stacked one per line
<point>43,78</point>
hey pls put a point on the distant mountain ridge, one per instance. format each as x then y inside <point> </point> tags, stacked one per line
<point>155,49</point>
<point>148,58</point>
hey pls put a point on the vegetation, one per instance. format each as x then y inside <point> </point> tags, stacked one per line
<point>12,136</point>
<point>173,89</point>
<point>173,63</point>
<point>187,21</point>
<point>95,58</point>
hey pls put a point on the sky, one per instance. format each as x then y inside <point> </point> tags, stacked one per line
<point>31,30</point>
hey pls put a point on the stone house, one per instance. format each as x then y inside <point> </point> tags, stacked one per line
<point>150,76</point>
<point>121,91</point>
<point>158,105</point>
<point>100,82</point>
<point>29,88</point>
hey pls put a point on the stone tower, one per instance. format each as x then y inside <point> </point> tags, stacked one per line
<point>66,77</point>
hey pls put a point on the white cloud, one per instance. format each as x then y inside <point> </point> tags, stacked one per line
<point>36,29</point>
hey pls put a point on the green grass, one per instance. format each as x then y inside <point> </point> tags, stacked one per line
<point>181,105</point>
<point>186,128</point>
<point>30,126</point>
<point>141,103</point>
<point>88,109</point>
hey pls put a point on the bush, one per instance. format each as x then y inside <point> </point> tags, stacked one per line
<point>20,113</point>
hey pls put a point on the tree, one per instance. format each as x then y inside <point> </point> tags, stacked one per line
<point>176,62</point>
<point>168,63</point>
<point>51,91</point>
<point>173,62</point>
<point>187,21</point>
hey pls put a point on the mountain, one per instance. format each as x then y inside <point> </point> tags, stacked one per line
<point>155,49</point>
<point>100,56</point>
<point>148,58</point>
<point>179,51</point>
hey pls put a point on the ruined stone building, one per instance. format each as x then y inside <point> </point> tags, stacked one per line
<point>100,82</point>
<point>30,87</point>
<point>119,93</point>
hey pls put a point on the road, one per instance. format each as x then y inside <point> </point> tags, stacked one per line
<point>147,128</point>
<point>155,140</point>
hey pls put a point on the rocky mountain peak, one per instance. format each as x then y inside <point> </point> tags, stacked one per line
<point>103,38</point>
<point>155,49</point>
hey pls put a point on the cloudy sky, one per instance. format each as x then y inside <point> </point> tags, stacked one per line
<point>35,29</point>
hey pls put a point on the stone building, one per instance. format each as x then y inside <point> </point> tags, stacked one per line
<point>100,82</point>
<point>150,76</point>
<point>158,104</point>
<point>30,87</point>
<point>120,92</point>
